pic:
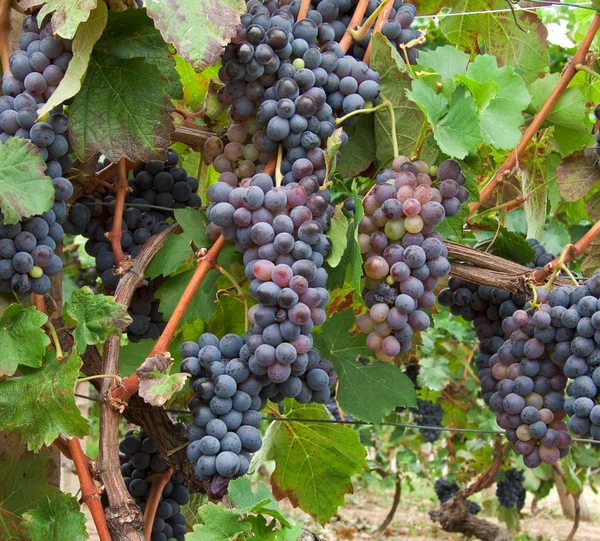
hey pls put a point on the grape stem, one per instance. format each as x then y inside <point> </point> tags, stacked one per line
<point>115,235</point>
<point>381,19</point>
<point>390,107</point>
<point>569,72</point>
<point>55,340</point>
<point>359,13</point>
<point>360,32</point>
<point>98,376</point>
<point>424,134</point>
<point>239,289</point>
<point>278,175</point>
<point>90,493</point>
<point>158,484</point>
<point>360,112</point>
<point>304,9</point>
<point>5,34</point>
<point>587,69</point>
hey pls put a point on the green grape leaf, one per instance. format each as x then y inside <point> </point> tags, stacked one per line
<point>203,304</point>
<point>367,392</point>
<point>88,34</point>
<point>458,132</point>
<point>338,234</point>
<point>510,516</point>
<point>177,249</point>
<point>482,92</point>
<point>67,15</point>
<point>97,316</point>
<point>483,27</point>
<point>131,34</point>
<point>577,175</point>
<point>24,188</point>
<point>435,106</point>
<point>435,373</point>
<point>259,502</point>
<point>199,30</point>
<point>110,116</point>
<point>500,113</point>
<point>446,61</point>
<point>195,85</point>
<point>22,339</point>
<point>512,246</point>
<point>229,315</point>
<point>132,355</point>
<point>58,517</point>
<point>307,454</point>
<point>218,524</point>
<point>24,483</point>
<point>157,384</point>
<point>40,402</point>
<point>359,152</point>
<point>393,83</point>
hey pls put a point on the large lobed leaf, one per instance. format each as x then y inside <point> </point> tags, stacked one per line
<point>24,188</point>
<point>314,462</point>
<point>367,392</point>
<point>96,316</point>
<point>22,339</point>
<point>199,29</point>
<point>40,402</point>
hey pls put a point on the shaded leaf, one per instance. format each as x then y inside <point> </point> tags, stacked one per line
<point>338,235</point>
<point>67,15</point>
<point>314,462</point>
<point>199,29</point>
<point>57,517</point>
<point>331,152</point>
<point>576,176</point>
<point>97,316</point>
<point>22,339</point>
<point>110,115</point>
<point>24,188</point>
<point>195,85</point>
<point>87,35</point>
<point>592,261</point>
<point>360,151</point>
<point>40,402</point>
<point>367,392</point>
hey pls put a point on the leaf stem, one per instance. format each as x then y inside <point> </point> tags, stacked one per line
<point>422,137</point>
<point>55,340</point>
<point>587,69</point>
<point>360,112</point>
<point>390,107</point>
<point>240,291</point>
<point>158,484</point>
<point>569,72</point>
<point>98,376</point>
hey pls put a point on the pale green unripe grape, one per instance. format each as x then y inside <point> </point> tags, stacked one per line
<point>433,171</point>
<point>395,229</point>
<point>364,241</point>
<point>523,433</point>
<point>414,224</point>
<point>252,126</point>
<point>534,400</point>
<point>36,272</point>
<point>251,152</point>
<point>298,64</point>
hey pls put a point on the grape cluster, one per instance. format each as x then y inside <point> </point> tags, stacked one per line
<point>225,407</point>
<point>429,414</point>
<point>140,461</point>
<point>577,311</point>
<point>156,190</point>
<point>510,490</point>
<point>27,259</point>
<point>281,232</point>
<point>445,490</point>
<point>84,277</point>
<point>403,255</point>
<point>333,408</point>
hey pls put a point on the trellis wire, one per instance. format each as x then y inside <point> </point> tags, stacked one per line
<point>362,423</point>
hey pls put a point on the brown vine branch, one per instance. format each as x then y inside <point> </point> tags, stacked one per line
<point>577,518</point>
<point>158,484</point>
<point>195,136</point>
<point>486,479</point>
<point>5,34</point>
<point>359,13</point>
<point>569,72</point>
<point>390,516</point>
<point>304,9</point>
<point>90,493</point>
<point>573,252</point>
<point>381,19</point>
<point>116,233</point>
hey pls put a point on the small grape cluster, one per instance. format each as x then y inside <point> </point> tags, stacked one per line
<point>445,490</point>
<point>140,461</point>
<point>429,414</point>
<point>333,408</point>
<point>510,490</point>
<point>156,190</point>
<point>579,313</point>
<point>281,232</point>
<point>403,255</point>
<point>27,259</point>
<point>84,276</point>
<point>225,407</point>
